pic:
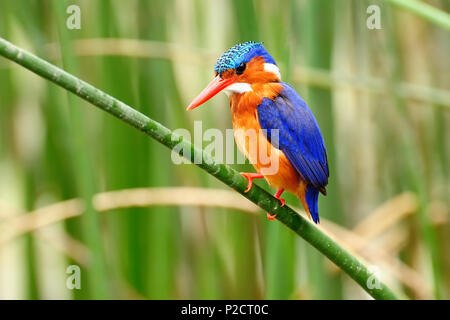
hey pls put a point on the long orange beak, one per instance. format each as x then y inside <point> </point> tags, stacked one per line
<point>213,88</point>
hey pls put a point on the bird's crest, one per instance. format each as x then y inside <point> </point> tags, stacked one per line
<point>242,52</point>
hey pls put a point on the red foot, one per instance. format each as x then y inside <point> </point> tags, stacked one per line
<point>250,176</point>
<point>283,202</point>
<point>271,216</point>
<point>278,195</point>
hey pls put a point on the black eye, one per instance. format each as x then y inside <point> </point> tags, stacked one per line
<point>241,68</point>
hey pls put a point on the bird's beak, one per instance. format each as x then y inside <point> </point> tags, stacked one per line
<point>213,88</point>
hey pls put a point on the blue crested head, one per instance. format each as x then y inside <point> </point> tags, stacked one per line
<point>241,53</point>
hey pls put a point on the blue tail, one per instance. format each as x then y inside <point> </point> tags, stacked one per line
<point>312,197</point>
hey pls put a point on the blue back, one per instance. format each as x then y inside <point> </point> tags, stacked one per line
<point>300,138</point>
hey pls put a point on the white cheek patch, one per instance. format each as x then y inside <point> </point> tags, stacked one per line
<point>270,67</point>
<point>237,87</point>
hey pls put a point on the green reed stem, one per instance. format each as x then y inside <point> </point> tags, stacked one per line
<point>424,10</point>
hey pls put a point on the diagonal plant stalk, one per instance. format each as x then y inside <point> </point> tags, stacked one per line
<point>333,251</point>
<point>424,10</point>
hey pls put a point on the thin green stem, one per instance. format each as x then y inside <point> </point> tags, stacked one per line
<point>85,174</point>
<point>424,10</point>
<point>347,262</point>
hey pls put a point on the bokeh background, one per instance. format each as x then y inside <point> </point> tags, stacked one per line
<point>381,97</point>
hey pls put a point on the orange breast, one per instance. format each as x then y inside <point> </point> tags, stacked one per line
<point>250,139</point>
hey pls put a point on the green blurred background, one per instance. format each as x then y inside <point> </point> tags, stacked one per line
<point>381,97</point>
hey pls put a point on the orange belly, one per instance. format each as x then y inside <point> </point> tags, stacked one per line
<point>266,159</point>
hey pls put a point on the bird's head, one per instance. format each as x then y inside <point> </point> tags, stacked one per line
<point>238,69</point>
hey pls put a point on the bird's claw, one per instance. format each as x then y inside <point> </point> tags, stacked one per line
<point>250,181</point>
<point>278,196</point>
<point>250,176</point>
<point>283,202</point>
<point>271,216</point>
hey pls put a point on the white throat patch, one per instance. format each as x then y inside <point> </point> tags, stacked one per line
<point>237,87</point>
<point>241,87</point>
<point>270,67</point>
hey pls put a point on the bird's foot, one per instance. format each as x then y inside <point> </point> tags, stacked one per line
<point>283,202</point>
<point>271,216</point>
<point>278,196</point>
<point>250,176</point>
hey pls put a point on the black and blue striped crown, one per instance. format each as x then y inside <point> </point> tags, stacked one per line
<point>242,52</point>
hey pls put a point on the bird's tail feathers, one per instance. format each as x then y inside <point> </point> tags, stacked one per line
<point>312,198</point>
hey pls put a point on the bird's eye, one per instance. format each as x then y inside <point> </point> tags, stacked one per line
<point>241,68</point>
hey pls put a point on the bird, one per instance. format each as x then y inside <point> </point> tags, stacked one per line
<point>280,122</point>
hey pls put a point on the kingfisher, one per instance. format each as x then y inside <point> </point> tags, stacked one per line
<point>268,114</point>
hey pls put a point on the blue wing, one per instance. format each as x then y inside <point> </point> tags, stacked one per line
<point>299,135</point>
